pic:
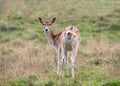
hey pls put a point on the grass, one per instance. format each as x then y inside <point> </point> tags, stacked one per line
<point>101,64</point>
<point>26,59</point>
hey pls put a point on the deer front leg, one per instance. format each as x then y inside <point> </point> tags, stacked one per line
<point>58,60</point>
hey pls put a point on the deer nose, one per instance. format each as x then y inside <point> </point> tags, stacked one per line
<point>46,29</point>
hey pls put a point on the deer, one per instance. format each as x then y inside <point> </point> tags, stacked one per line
<point>64,41</point>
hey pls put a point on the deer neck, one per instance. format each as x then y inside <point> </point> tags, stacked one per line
<point>51,37</point>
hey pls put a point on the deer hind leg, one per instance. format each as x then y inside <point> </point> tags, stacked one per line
<point>74,53</point>
<point>66,61</point>
<point>63,54</point>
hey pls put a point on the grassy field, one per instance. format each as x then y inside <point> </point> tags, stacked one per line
<point>26,58</point>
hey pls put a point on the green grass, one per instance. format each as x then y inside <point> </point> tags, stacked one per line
<point>22,37</point>
<point>89,78</point>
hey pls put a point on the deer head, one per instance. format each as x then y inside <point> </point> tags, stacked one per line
<point>47,24</point>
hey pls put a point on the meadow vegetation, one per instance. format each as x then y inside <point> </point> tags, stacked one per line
<point>26,58</point>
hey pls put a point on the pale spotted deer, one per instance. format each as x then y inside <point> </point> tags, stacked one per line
<point>66,40</point>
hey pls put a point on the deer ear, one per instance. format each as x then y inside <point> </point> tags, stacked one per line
<point>40,20</point>
<point>53,20</point>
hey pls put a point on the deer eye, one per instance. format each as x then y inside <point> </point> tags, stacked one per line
<point>43,24</point>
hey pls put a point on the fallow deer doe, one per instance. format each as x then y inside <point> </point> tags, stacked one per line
<point>66,40</point>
